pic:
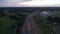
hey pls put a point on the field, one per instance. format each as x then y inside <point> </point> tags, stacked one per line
<point>46,28</point>
<point>6,25</point>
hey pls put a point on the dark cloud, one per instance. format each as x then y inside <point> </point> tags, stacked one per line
<point>11,2</point>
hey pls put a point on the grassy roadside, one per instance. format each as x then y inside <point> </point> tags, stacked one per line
<point>47,29</point>
<point>6,25</point>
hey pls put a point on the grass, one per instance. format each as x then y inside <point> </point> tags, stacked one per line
<point>6,25</point>
<point>46,27</point>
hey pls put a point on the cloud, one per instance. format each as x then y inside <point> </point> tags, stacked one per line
<point>12,3</point>
<point>7,2</point>
<point>41,3</point>
<point>29,3</point>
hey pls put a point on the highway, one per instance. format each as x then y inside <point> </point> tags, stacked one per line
<point>28,23</point>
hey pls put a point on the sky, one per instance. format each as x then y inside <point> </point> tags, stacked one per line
<point>29,3</point>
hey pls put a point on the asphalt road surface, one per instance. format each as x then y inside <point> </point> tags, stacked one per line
<point>28,23</point>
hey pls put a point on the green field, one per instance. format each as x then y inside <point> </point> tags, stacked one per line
<point>6,25</point>
<point>47,29</point>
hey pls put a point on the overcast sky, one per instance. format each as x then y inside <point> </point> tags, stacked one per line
<point>29,3</point>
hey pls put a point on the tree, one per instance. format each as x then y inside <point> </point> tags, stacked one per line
<point>49,18</point>
<point>1,13</point>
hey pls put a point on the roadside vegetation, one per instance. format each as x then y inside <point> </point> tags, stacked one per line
<point>6,25</point>
<point>48,25</point>
<point>9,21</point>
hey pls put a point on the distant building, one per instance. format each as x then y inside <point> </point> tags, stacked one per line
<point>45,13</point>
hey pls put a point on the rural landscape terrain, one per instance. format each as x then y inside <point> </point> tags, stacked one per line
<point>29,20</point>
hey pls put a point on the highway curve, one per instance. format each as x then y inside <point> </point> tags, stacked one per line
<point>28,26</point>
